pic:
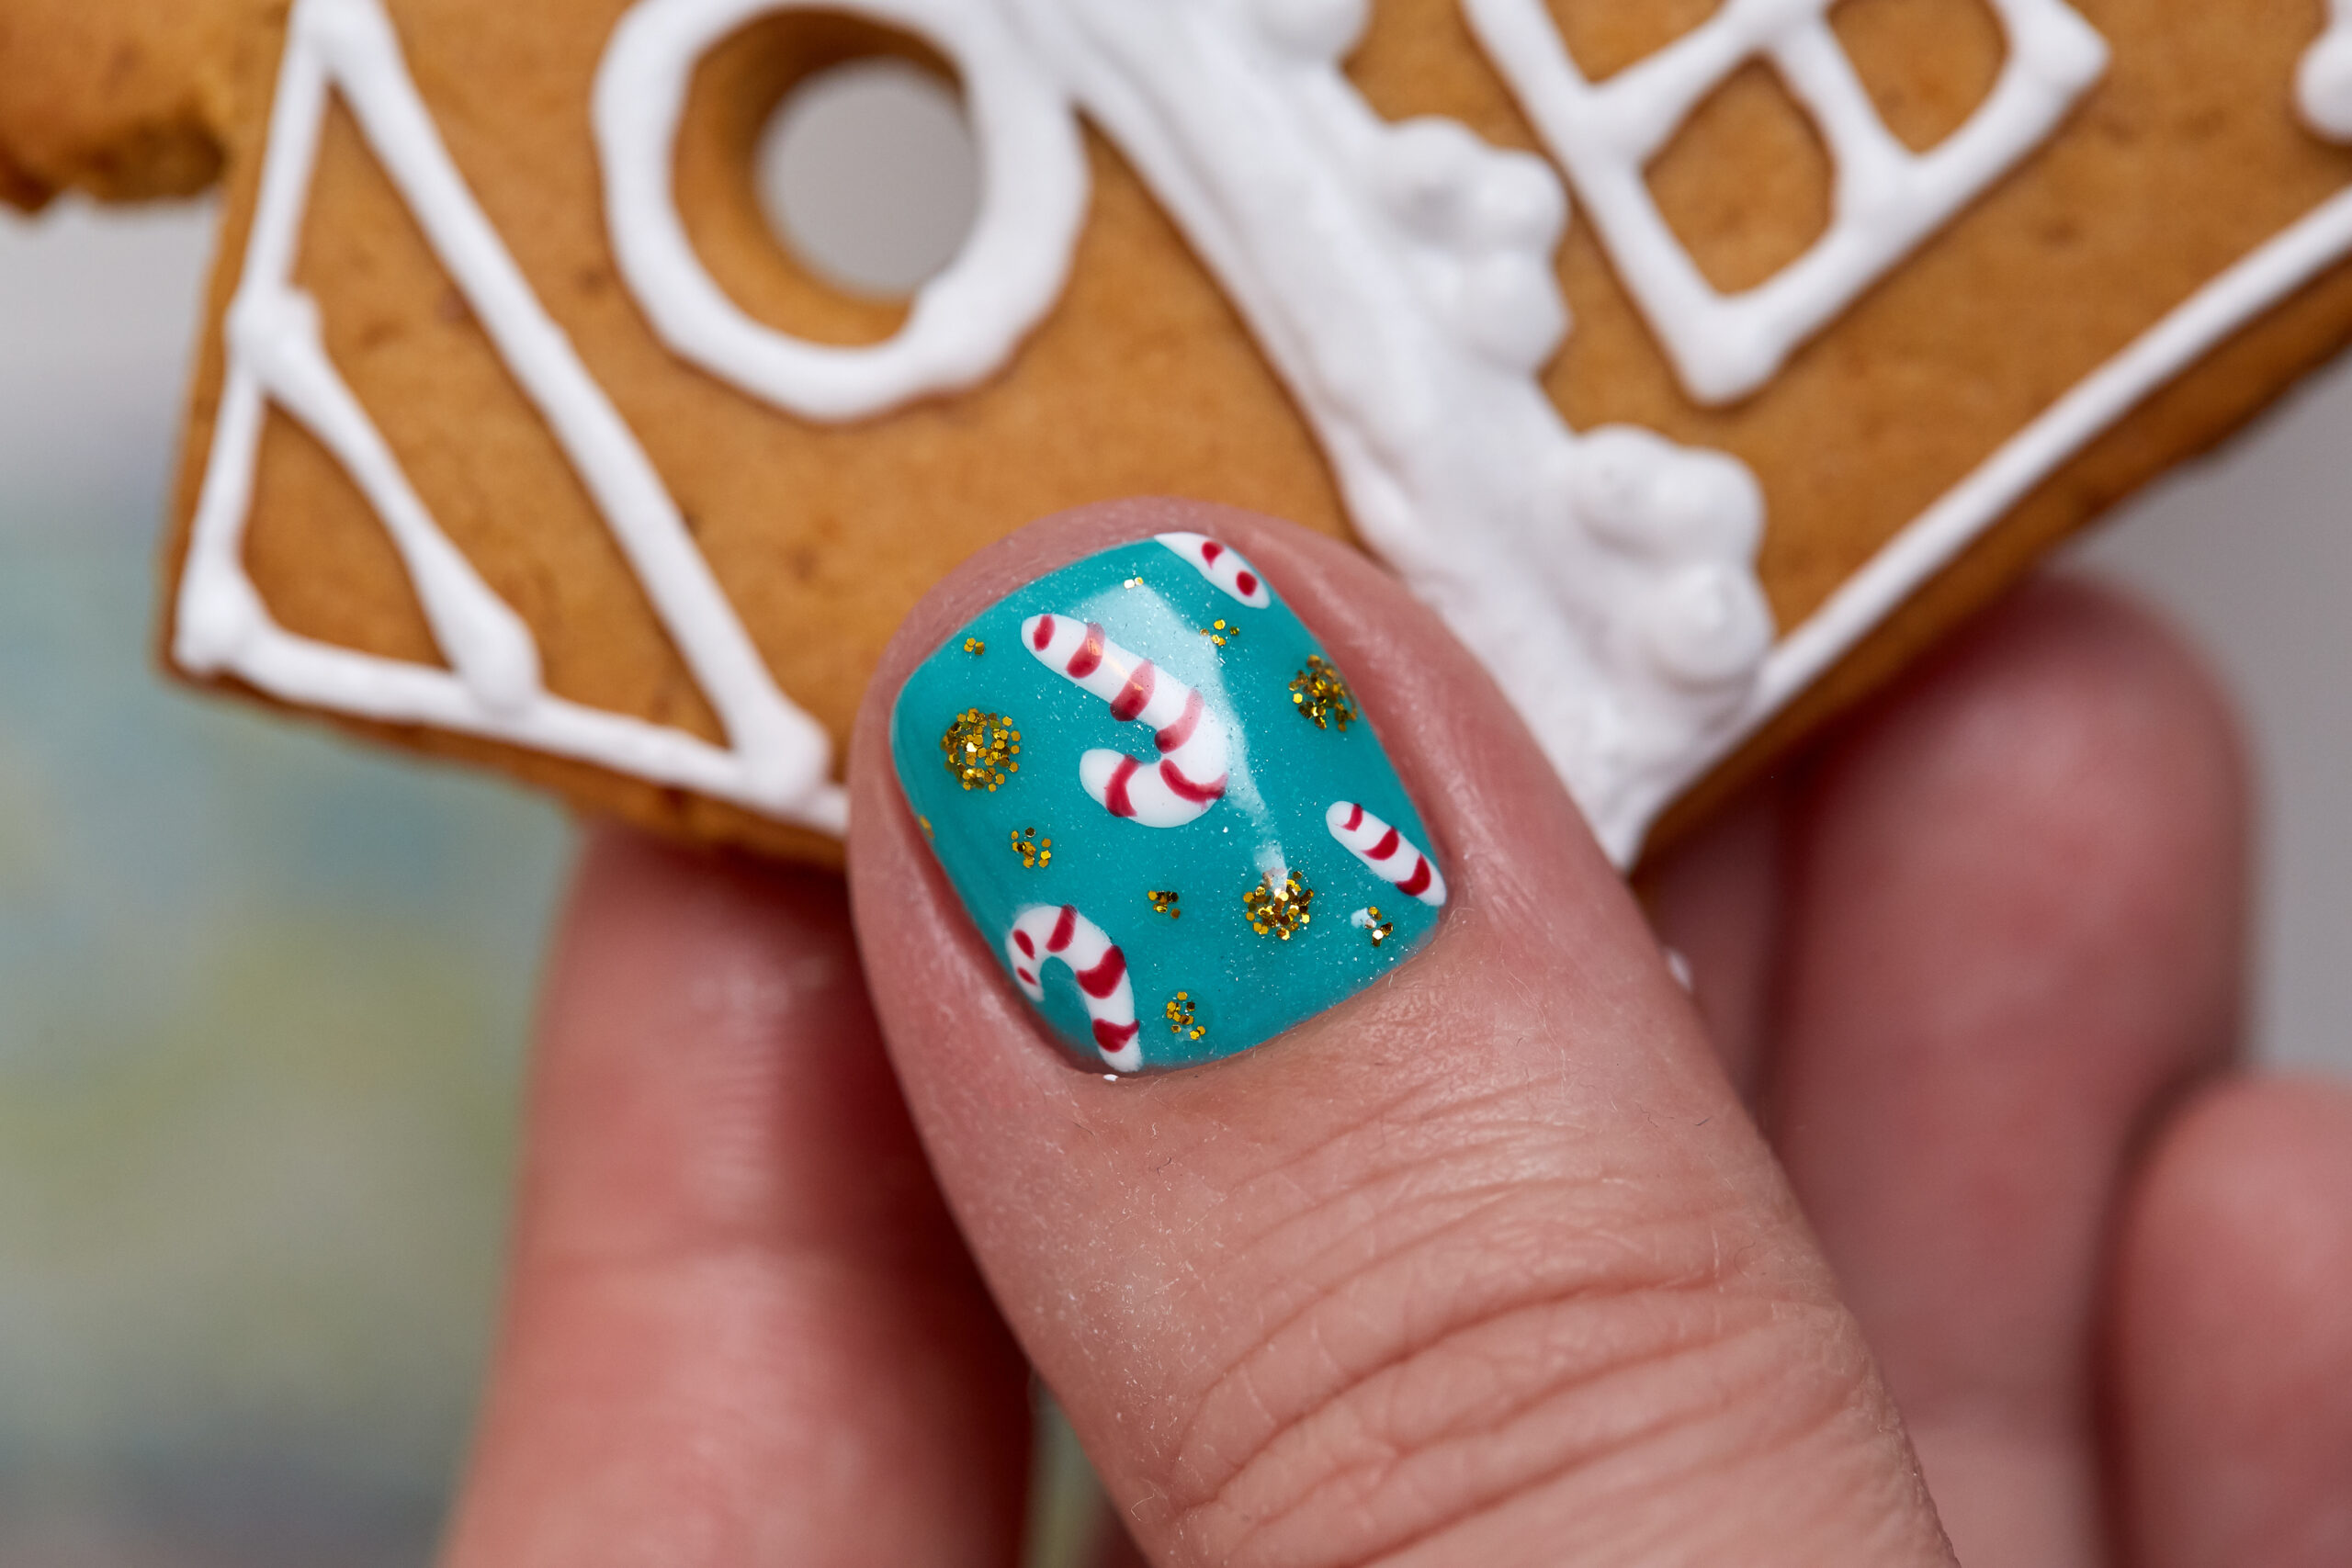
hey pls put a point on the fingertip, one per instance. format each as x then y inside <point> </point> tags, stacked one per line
<point>2071,714</point>
<point>2247,1195</point>
<point>2048,823</point>
<point>2234,1351</point>
<point>2015,926</point>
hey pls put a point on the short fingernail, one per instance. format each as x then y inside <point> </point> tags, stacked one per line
<point>1163,806</point>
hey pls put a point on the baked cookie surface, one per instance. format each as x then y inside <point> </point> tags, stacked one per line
<point>1700,363</point>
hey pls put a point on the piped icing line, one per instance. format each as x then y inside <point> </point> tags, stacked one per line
<point>278,335</point>
<point>1886,199</point>
<point>1223,566</point>
<point>963,323</point>
<point>2323,77</point>
<point>778,757</point>
<point>1043,932</point>
<point>2263,277</point>
<point>1385,852</point>
<point>1400,279</point>
<point>1189,776</point>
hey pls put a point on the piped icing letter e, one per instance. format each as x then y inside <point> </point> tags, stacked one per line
<point>1163,807</point>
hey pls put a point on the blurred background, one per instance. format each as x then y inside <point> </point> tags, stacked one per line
<point>264,996</point>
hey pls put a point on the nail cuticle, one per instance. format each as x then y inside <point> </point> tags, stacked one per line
<point>1163,806</point>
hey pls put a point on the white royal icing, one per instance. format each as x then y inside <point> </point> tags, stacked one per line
<point>2324,81</point>
<point>1933,541</point>
<point>1886,199</point>
<point>777,759</point>
<point>1399,276</point>
<point>963,323</point>
<point>2259,281</point>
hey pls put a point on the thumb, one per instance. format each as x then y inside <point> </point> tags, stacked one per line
<point>1471,1255</point>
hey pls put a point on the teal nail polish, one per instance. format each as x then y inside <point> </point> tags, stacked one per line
<point>1162,807</point>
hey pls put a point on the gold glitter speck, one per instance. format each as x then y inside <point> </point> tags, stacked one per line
<point>1165,904</point>
<point>1278,910</point>
<point>981,749</point>
<point>1035,852</point>
<point>1319,693</point>
<point>1179,1013</point>
<point>974,646</point>
<point>925,823</point>
<point>1222,633</point>
<point>1132,583</point>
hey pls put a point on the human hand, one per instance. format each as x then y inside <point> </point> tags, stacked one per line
<point>1490,1263</point>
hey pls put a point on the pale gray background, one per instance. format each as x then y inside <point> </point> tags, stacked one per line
<point>262,995</point>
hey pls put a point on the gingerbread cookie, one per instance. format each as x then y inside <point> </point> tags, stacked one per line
<point>1699,362</point>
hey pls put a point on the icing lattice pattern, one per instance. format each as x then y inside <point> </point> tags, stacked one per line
<point>1886,198</point>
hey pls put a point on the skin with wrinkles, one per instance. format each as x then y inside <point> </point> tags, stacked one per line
<point>1520,1256</point>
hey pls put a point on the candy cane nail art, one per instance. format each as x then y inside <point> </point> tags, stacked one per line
<point>1045,931</point>
<point>1191,776</point>
<point>1386,852</point>
<point>1236,796</point>
<point>1222,565</point>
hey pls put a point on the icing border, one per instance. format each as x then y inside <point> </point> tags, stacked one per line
<point>2257,281</point>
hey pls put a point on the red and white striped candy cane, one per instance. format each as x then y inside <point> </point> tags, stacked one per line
<point>1391,857</point>
<point>1191,775</point>
<point>1058,931</point>
<point>1223,565</point>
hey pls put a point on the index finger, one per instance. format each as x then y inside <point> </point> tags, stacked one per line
<point>739,1326</point>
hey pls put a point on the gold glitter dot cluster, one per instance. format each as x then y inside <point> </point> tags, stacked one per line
<point>981,749</point>
<point>1319,693</point>
<point>1380,930</point>
<point>1222,633</point>
<point>1164,903</point>
<point>1035,853</point>
<point>975,646</point>
<point>1180,1013</point>
<point>1278,909</point>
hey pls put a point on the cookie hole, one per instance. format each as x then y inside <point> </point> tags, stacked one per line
<point>825,169</point>
<point>870,172</point>
<point>1927,64</point>
<point>1606,36</point>
<point>1745,183</point>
